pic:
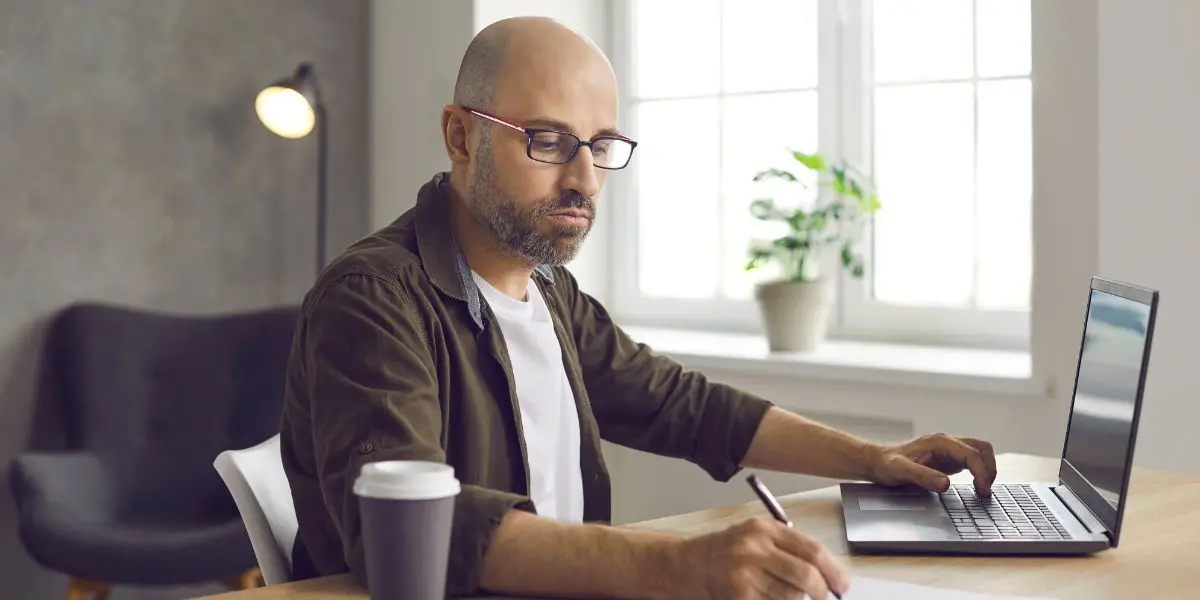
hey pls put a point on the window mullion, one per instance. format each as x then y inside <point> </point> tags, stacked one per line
<point>722,196</point>
<point>850,130</point>
<point>976,238</point>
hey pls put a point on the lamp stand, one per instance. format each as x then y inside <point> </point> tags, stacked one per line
<point>322,160</point>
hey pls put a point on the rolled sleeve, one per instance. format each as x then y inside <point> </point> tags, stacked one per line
<point>729,420</point>
<point>374,396</point>
<point>477,513</point>
<point>650,402</point>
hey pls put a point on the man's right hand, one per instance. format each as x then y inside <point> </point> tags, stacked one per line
<point>757,559</point>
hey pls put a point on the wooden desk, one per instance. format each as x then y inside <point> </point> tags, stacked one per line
<point>1159,555</point>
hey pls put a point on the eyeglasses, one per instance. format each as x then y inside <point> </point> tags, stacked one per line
<point>559,147</point>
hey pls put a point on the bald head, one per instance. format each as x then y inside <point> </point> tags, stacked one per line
<point>532,194</point>
<point>537,46</point>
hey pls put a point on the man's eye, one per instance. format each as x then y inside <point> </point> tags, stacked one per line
<point>603,146</point>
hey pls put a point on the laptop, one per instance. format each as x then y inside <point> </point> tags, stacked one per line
<point>1081,513</point>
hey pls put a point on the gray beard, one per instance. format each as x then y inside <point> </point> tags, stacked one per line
<point>516,228</point>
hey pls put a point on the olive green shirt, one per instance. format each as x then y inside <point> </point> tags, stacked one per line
<point>397,356</point>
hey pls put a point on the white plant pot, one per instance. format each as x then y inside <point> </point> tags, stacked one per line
<point>795,314</point>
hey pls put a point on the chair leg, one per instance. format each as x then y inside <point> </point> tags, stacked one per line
<point>82,589</point>
<point>246,580</point>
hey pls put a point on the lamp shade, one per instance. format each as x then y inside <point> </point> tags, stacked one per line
<point>288,107</point>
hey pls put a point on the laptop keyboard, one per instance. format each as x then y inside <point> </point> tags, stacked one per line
<point>1013,512</point>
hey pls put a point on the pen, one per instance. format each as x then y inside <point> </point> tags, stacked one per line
<point>768,499</point>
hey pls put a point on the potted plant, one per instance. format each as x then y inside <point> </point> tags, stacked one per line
<point>795,304</point>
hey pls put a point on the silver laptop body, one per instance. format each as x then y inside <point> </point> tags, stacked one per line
<point>1082,512</point>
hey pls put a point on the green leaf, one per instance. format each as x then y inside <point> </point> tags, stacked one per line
<point>764,209</point>
<point>758,256</point>
<point>839,181</point>
<point>816,162</point>
<point>774,174</point>
<point>819,220</point>
<point>797,220</point>
<point>847,256</point>
<point>789,242</point>
<point>852,262</point>
<point>855,189</point>
<point>856,171</point>
<point>872,204</point>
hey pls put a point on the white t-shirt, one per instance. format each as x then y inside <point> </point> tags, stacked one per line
<point>548,415</point>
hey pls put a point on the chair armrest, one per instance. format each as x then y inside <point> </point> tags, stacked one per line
<point>71,483</point>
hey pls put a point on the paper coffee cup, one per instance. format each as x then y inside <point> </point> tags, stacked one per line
<point>407,516</point>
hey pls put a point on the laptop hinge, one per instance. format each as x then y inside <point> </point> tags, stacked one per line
<point>1079,509</point>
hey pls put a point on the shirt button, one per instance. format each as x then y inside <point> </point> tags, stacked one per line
<point>366,448</point>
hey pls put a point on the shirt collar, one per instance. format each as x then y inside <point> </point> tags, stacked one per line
<point>441,256</point>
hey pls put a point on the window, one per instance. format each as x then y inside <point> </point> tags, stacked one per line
<point>932,97</point>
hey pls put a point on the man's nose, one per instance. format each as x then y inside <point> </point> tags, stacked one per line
<point>581,174</point>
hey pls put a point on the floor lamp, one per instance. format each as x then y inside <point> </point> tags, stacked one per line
<point>292,108</point>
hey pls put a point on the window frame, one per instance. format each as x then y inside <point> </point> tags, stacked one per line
<point>843,130</point>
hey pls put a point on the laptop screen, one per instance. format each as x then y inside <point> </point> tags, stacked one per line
<point>1102,425</point>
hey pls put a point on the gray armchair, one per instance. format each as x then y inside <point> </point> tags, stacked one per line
<point>149,400</point>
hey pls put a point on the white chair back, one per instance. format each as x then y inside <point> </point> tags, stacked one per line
<point>260,488</point>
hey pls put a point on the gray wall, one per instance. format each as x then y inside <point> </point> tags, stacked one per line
<point>133,170</point>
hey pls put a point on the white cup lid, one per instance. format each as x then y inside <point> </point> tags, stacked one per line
<point>406,480</point>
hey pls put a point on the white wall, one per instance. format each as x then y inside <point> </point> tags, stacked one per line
<point>1149,209</point>
<point>1113,93</point>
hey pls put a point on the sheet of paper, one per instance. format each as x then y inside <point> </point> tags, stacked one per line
<point>865,588</point>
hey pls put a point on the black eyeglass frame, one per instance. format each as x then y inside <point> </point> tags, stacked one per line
<point>530,132</point>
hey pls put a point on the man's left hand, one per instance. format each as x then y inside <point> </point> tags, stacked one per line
<point>928,461</point>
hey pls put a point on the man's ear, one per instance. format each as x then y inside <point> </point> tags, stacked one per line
<point>456,134</point>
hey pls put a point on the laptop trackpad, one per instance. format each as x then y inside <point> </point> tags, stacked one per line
<point>894,501</point>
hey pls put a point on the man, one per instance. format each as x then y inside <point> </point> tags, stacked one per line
<point>454,334</point>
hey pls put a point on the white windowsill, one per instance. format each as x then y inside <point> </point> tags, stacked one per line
<point>998,371</point>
